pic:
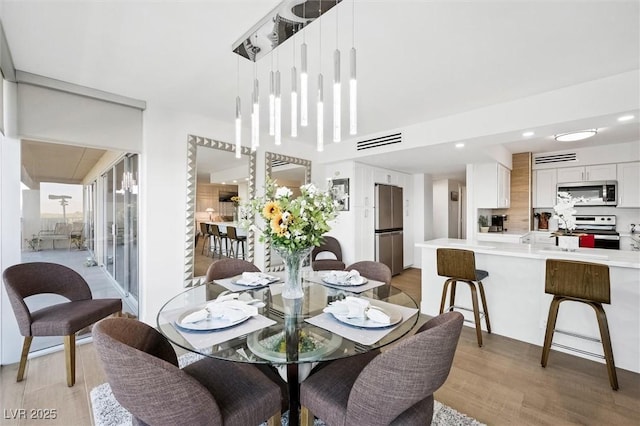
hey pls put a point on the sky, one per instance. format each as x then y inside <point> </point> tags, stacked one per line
<point>53,206</point>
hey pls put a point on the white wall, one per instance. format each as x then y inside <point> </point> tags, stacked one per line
<point>10,338</point>
<point>343,228</point>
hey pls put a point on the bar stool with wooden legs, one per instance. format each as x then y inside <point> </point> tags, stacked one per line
<point>460,265</point>
<point>581,282</point>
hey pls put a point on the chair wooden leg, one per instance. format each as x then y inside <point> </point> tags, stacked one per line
<point>70,358</point>
<point>551,326</point>
<point>23,357</point>
<point>452,297</point>
<point>445,289</point>
<point>484,307</point>
<point>606,344</point>
<point>306,418</point>
<point>476,311</point>
<point>275,420</point>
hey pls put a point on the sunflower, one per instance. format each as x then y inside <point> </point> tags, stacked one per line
<point>271,208</point>
<point>278,226</point>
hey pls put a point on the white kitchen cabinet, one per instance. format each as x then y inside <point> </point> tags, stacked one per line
<point>544,188</point>
<point>629,184</point>
<point>492,183</point>
<point>587,173</point>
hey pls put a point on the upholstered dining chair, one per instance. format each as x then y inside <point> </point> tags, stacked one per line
<point>394,387</point>
<point>372,270</point>
<point>142,370</point>
<point>62,319</point>
<point>330,245</point>
<point>226,268</point>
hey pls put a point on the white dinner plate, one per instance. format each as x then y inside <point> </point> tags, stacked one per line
<point>208,324</point>
<point>343,283</point>
<point>394,318</point>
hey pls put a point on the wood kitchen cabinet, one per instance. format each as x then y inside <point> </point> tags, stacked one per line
<point>492,183</point>
<point>629,184</point>
<point>587,173</point>
<point>544,188</point>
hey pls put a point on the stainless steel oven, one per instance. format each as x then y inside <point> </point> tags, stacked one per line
<point>603,229</point>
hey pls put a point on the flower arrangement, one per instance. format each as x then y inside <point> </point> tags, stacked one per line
<point>565,212</point>
<point>292,224</point>
<point>236,200</point>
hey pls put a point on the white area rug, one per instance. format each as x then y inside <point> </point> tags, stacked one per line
<point>107,411</point>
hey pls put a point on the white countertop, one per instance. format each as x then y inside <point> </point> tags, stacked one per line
<point>619,258</point>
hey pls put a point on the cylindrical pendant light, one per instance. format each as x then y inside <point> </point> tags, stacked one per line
<point>272,101</point>
<point>304,86</point>
<point>238,128</point>
<point>256,115</point>
<point>278,111</point>
<point>353,83</point>
<point>336,96</point>
<point>320,116</point>
<point>294,101</point>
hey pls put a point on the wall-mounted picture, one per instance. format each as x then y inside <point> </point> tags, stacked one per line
<point>340,192</point>
<point>454,195</point>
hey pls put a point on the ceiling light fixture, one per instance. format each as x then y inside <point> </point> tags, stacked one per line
<point>528,134</point>
<point>238,116</point>
<point>576,136</point>
<point>626,117</point>
<point>459,145</point>
<point>353,83</point>
<point>283,22</point>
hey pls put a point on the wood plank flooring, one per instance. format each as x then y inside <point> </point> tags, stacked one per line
<point>501,383</point>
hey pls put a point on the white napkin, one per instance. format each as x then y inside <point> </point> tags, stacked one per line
<point>256,278</point>
<point>225,307</point>
<point>354,307</point>
<point>345,277</point>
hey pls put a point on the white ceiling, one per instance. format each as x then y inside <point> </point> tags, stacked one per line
<point>417,60</point>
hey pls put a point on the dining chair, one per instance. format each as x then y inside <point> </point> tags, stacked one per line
<point>61,319</point>
<point>226,268</point>
<point>394,387</point>
<point>329,245</point>
<point>373,270</point>
<point>142,369</point>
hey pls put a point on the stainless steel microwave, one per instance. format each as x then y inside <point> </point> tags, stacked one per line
<point>597,193</point>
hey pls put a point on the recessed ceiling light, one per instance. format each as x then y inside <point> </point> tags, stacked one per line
<point>527,134</point>
<point>576,136</point>
<point>626,117</point>
<point>459,145</point>
<point>235,181</point>
<point>223,183</point>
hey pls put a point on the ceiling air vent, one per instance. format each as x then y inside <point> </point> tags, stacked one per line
<point>556,158</point>
<point>379,141</point>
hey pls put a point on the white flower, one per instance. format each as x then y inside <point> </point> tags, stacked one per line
<point>309,188</point>
<point>565,212</point>
<point>283,192</point>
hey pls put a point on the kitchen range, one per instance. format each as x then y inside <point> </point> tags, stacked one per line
<point>602,228</point>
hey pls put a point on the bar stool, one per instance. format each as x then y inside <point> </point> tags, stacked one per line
<point>460,265</point>
<point>582,282</point>
<point>238,239</point>
<point>217,240</point>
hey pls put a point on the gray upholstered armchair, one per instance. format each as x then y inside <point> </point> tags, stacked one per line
<point>62,319</point>
<point>142,369</point>
<point>393,388</point>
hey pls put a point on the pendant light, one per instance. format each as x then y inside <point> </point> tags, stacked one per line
<point>320,101</point>
<point>294,94</point>
<point>337,114</point>
<point>353,83</point>
<point>255,115</point>
<point>272,100</point>
<point>278,111</point>
<point>304,76</point>
<point>238,116</point>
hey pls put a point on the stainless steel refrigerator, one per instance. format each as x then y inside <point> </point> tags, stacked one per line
<point>388,227</point>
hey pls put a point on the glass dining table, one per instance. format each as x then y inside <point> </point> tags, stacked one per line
<point>293,335</point>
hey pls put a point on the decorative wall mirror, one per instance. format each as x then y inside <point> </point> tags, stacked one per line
<point>291,172</point>
<point>207,158</point>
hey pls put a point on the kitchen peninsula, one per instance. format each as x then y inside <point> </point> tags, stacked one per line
<point>518,306</point>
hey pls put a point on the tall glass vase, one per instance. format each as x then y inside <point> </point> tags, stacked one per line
<point>293,261</point>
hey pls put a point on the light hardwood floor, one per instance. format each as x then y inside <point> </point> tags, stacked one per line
<point>501,383</point>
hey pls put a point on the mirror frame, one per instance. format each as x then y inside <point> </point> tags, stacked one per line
<point>193,142</point>
<point>269,157</point>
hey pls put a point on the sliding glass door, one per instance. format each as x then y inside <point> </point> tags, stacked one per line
<point>120,214</point>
